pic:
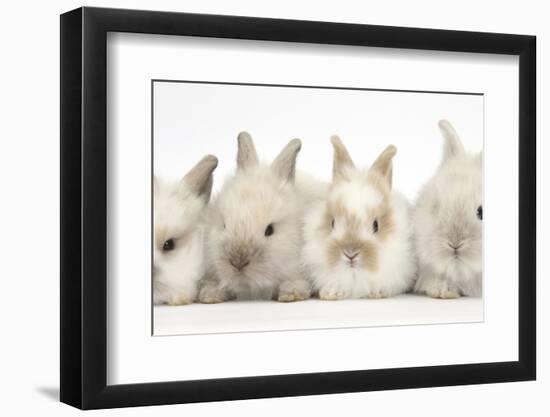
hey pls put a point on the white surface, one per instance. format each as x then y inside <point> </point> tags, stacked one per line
<point>134,60</point>
<point>238,316</point>
<point>29,176</point>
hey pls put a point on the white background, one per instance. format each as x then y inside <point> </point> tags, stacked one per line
<point>29,169</point>
<point>192,120</point>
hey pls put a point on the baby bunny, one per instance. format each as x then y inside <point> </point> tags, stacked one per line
<point>448,224</point>
<point>178,240</point>
<point>255,235</point>
<point>358,240</point>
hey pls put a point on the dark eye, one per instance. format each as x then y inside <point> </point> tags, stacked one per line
<point>269,230</point>
<point>480,213</point>
<point>332,223</point>
<point>375,226</point>
<point>168,245</point>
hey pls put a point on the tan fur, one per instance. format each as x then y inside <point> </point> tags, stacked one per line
<point>383,164</point>
<point>379,182</point>
<point>199,180</point>
<point>344,253</point>
<point>342,159</point>
<point>386,223</point>
<point>160,236</point>
<point>284,164</point>
<point>367,250</point>
<point>246,154</point>
<point>351,241</point>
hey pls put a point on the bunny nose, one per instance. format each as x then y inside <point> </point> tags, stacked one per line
<point>239,264</point>
<point>351,255</point>
<point>455,246</point>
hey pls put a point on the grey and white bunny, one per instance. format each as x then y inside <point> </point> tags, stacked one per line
<point>448,224</point>
<point>255,237</point>
<point>179,232</point>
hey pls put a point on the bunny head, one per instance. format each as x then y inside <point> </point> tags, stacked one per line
<point>178,252</point>
<point>358,214</point>
<point>449,213</point>
<point>254,237</point>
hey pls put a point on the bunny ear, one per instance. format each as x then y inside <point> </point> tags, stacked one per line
<point>246,154</point>
<point>200,179</point>
<point>383,164</point>
<point>342,160</point>
<point>453,145</point>
<point>285,163</point>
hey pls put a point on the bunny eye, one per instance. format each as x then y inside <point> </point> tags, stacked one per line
<point>332,223</point>
<point>168,245</point>
<point>375,226</point>
<point>269,230</point>
<point>480,213</point>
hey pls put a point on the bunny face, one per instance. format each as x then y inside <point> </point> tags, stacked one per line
<point>449,220</point>
<point>178,234</point>
<point>449,227</point>
<point>255,231</point>
<point>358,218</point>
<point>357,240</point>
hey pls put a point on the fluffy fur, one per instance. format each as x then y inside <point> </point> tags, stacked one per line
<point>255,237</point>
<point>447,223</point>
<point>358,239</point>
<point>179,230</point>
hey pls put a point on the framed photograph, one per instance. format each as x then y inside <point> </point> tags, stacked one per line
<point>260,208</point>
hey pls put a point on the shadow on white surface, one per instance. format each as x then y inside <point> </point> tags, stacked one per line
<point>51,393</point>
<point>257,316</point>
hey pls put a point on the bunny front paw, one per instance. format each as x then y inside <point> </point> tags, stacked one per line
<point>298,290</point>
<point>212,295</point>
<point>333,292</point>
<point>442,290</point>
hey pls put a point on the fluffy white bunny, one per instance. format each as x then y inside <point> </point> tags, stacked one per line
<point>358,240</point>
<point>255,236</point>
<point>179,232</point>
<point>448,223</point>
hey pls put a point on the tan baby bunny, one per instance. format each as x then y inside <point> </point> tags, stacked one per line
<point>358,240</point>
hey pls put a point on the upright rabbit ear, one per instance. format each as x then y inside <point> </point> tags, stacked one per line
<point>453,145</point>
<point>342,161</point>
<point>200,179</point>
<point>383,164</point>
<point>246,154</point>
<point>284,165</point>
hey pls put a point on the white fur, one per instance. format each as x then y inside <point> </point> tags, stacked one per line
<point>446,213</point>
<point>248,202</point>
<point>179,215</point>
<point>396,267</point>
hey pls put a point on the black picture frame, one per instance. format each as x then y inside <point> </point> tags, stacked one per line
<point>84,207</point>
